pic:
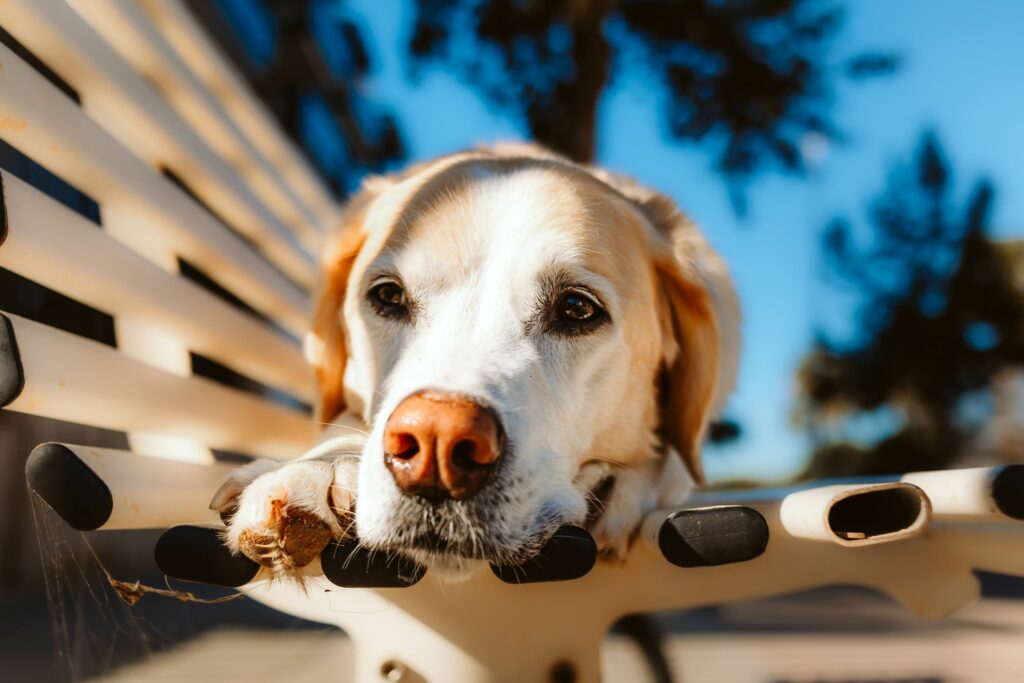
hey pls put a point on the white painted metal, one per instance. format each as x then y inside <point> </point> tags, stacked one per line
<point>806,514</point>
<point>208,63</point>
<point>56,247</point>
<point>153,492</point>
<point>960,494</point>
<point>130,31</point>
<point>139,338</point>
<point>48,127</point>
<point>485,630</point>
<point>74,379</point>
<point>133,111</point>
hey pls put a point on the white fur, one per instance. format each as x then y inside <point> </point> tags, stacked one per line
<point>474,267</point>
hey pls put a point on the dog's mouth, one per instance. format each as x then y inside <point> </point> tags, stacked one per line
<point>452,535</point>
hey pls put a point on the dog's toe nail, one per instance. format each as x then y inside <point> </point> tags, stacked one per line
<point>256,546</point>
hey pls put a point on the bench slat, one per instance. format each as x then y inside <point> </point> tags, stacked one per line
<point>54,246</point>
<point>205,59</point>
<point>136,114</point>
<point>213,139</point>
<point>47,126</point>
<point>105,488</point>
<point>75,379</point>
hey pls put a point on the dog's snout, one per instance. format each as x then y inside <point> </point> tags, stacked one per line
<point>440,445</point>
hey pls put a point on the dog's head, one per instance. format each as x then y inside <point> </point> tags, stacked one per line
<point>499,319</point>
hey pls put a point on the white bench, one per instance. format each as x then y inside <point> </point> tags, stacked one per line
<point>156,94</point>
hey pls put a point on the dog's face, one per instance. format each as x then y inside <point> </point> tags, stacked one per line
<point>499,323</point>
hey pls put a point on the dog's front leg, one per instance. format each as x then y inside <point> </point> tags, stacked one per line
<point>620,496</point>
<point>282,515</point>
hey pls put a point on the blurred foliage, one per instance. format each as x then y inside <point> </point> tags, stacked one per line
<point>750,77</point>
<point>724,431</point>
<point>940,314</point>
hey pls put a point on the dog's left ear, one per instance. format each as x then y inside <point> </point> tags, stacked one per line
<point>326,343</point>
<point>700,329</point>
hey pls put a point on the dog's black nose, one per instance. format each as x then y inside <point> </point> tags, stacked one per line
<point>440,445</point>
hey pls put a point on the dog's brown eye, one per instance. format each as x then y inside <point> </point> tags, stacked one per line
<point>575,307</point>
<point>575,312</point>
<point>389,299</point>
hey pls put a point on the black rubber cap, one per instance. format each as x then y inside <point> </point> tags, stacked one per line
<point>570,554</point>
<point>68,486</point>
<point>349,565</point>
<point>1008,491</point>
<point>12,376</point>
<point>4,227</point>
<point>712,536</point>
<point>195,553</point>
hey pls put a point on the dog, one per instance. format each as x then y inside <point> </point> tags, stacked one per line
<point>504,342</point>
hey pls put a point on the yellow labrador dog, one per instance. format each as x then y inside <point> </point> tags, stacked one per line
<point>505,342</point>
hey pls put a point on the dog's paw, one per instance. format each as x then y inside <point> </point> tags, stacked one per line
<point>618,499</point>
<point>283,516</point>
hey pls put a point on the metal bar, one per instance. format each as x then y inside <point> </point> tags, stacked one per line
<point>856,514</point>
<point>133,111</point>
<point>103,488</point>
<point>980,493</point>
<point>453,635</point>
<point>56,247</point>
<point>74,379</point>
<point>43,123</point>
<point>207,62</point>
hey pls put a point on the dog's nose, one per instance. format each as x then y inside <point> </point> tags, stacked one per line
<point>440,445</point>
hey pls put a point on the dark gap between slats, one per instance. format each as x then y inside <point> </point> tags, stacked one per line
<point>183,185</point>
<point>211,369</point>
<point>39,65</point>
<point>21,296</point>
<point>192,273</point>
<point>39,177</point>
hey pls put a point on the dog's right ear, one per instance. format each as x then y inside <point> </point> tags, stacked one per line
<point>326,344</point>
<point>700,321</point>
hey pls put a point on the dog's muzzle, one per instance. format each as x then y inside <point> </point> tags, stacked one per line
<point>441,446</point>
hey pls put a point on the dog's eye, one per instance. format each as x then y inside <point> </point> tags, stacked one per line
<point>389,299</point>
<point>576,307</point>
<point>576,312</point>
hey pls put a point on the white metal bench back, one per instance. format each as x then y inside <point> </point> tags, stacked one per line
<point>156,94</point>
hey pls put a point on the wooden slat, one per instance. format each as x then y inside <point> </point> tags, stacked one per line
<point>44,124</point>
<point>129,30</point>
<point>77,380</point>
<point>56,247</point>
<point>134,112</point>
<point>207,61</point>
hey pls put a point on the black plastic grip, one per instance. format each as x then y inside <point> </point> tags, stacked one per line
<point>191,552</point>
<point>707,537</point>
<point>69,486</point>
<point>570,554</point>
<point>1008,491</point>
<point>12,374</point>
<point>196,553</point>
<point>350,565</point>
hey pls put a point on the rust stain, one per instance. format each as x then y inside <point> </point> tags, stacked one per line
<point>12,124</point>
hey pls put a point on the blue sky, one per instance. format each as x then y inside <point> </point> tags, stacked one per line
<point>962,75</point>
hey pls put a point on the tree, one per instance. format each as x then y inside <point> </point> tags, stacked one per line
<point>939,315</point>
<point>750,76</point>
